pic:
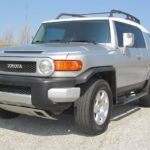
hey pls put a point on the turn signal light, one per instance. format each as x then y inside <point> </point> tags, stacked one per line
<point>68,65</point>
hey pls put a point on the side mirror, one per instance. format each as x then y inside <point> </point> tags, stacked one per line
<point>128,40</point>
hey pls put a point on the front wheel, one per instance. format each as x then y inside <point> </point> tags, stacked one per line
<point>93,109</point>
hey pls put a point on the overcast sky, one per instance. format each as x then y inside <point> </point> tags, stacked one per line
<point>13,13</point>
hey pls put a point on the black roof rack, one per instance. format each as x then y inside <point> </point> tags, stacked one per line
<point>71,15</point>
<point>129,17</point>
<point>111,14</point>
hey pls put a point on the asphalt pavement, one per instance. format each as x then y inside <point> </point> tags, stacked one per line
<point>129,129</point>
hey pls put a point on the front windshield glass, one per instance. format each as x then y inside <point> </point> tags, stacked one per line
<point>74,31</point>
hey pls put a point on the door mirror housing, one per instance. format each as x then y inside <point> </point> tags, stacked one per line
<point>128,40</point>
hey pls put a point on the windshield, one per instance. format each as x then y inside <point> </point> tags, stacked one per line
<point>74,31</point>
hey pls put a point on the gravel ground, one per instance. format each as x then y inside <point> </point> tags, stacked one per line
<point>129,129</point>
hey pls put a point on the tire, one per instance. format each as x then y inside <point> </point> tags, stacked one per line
<point>145,101</point>
<point>85,116</point>
<point>7,115</point>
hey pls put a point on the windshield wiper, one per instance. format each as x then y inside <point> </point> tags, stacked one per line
<point>38,41</point>
<point>57,40</point>
<point>64,41</point>
<point>83,41</point>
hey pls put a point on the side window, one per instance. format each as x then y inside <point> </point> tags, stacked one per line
<point>124,28</point>
<point>139,39</point>
<point>120,29</point>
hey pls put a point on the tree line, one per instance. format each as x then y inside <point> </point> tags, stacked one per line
<point>25,36</point>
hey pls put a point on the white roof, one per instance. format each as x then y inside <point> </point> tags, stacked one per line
<point>101,18</point>
<point>77,19</point>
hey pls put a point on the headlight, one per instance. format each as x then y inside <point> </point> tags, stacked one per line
<point>46,67</point>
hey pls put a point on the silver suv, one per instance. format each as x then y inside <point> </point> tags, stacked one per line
<point>82,62</point>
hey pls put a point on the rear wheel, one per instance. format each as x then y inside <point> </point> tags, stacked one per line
<point>7,115</point>
<point>145,101</point>
<point>93,109</point>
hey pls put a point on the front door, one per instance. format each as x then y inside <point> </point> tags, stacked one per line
<point>131,65</point>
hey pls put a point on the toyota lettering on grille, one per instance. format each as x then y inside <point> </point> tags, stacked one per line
<point>14,66</point>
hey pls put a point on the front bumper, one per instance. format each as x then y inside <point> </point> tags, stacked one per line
<point>59,95</point>
<point>53,94</point>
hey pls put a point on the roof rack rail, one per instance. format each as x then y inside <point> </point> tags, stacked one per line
<point>129,17</point>
<point>67,14</point>
<point>111,14</point>
<point>80,15</point>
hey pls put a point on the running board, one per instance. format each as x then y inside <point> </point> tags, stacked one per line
<point>125,100</point>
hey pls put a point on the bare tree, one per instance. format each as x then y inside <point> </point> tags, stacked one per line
<point>1,40</point>
<point>25,35</point>
<point>7,37</point>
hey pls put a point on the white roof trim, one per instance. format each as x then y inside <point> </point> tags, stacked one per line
<point>77,19</point>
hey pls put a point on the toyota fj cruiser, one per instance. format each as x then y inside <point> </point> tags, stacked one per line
<point>82,62</point>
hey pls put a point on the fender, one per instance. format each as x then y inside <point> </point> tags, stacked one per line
<point>85,76</point>
<point>107,73</point>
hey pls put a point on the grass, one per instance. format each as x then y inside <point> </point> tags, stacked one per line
<point>6,45</point>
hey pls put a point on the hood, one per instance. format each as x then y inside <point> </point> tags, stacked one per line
<point>55,51</point>
<point>46,48</point>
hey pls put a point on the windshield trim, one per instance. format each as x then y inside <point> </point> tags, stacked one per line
<point>78,20</point>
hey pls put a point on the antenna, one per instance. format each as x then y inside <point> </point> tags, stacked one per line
<point>26,12</point>
<point>26,27</point>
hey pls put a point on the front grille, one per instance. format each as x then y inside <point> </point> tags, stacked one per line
<point>18,66</point>
<point>15,89</point>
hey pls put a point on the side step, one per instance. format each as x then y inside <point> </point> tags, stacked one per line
<point>127,99</point>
